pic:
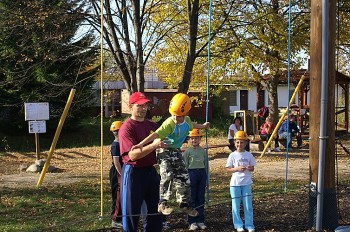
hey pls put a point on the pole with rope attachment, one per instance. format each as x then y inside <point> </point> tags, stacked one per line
<point>101,113</point>
<point>207,104</point>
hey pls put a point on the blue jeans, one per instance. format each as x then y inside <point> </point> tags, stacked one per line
<point>198,178</point>
<point>244,193</point>
<point>288,137</point>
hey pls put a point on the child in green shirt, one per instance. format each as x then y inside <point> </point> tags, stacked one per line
<point>196,161</point>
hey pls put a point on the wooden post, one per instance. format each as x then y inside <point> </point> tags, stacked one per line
<point>346,96</point>
<point>330,215</point>
<point>37,146</point>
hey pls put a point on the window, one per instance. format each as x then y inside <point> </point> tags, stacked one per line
<point>232,98</point>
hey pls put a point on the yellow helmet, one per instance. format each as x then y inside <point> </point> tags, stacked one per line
<point>195,133</point>
<point>241,135</point>
<point>116,125</point>
<point>180,104</point>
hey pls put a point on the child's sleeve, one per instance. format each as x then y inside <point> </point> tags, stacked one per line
<point>229,162</point>
<point>252,161</point>
<point>185,156</point>
<point>166,128</point>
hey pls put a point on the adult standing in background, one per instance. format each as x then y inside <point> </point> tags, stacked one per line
<point>234,127</point>
<point>140,180</point>
<point>232,130</point>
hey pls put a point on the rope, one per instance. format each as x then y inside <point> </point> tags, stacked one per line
<point>207,104</point>
<point>289,58</point>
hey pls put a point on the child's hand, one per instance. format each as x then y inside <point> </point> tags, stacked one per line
<point>241,168</point>
<point>137,146</point>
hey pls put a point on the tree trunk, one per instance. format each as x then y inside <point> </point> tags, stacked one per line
<point>191,53</point>
<point>273,99</point>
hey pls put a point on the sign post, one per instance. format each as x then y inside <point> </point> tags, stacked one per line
<point>35,114</point>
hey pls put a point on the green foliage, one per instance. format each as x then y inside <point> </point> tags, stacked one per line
<point>41,58</point>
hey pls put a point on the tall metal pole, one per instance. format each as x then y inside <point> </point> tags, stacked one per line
<point>323,120</point>
<point>207,104</point>
<point>101,86</point>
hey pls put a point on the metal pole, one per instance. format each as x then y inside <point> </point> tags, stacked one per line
<point>282,117</point>
<point>101,102</point>
<point>207,105</point>
<point>323,119</point>
<point>55,138</point>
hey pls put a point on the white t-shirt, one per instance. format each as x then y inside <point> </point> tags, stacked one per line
<point>236,159</point>
<point>234,128</point>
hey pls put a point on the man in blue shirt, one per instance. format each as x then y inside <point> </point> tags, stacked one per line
<point>289,129</point>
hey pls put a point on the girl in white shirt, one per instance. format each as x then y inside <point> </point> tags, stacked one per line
<point>241,164</point>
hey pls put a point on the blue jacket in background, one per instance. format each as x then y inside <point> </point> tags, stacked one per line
<point>293,128</point>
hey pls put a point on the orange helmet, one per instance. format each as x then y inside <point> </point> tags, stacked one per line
<point>241,135</point>
<point>195,133</point>
<point>116,125</point>
<point>180,104</point>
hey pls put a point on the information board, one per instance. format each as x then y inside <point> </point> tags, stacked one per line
<point>36,111</point>
<point>37,126</point>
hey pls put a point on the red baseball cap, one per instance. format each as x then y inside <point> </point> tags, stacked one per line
<point>138,98</point>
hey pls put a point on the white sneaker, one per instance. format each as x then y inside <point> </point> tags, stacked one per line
<point>193,226</point>
<point>116,224</point>
<point>268,150</point>
<point>251,230</point>
<point>240,230</point>
<point>201,226</point>
<point>277,149</point>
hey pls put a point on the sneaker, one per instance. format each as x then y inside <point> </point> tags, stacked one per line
<point>190,211</point>
<point>240,230</point>
<point>116,224</point>
<point>251,230</point>
<point>277,149</point>
<point>201,226</point>
<point>164,208</point>
<point>268,150</point>
<point>193,226</point>
<point>166,225</point>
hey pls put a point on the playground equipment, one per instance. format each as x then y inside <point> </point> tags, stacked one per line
<point>248,119</point>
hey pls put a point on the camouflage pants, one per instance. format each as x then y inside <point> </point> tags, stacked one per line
<point>173,174</point>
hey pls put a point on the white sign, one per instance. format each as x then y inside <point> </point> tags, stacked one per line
<point>37,126</point>
<point>36,111</point>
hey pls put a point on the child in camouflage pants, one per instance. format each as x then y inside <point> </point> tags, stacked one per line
<point>173,173</point>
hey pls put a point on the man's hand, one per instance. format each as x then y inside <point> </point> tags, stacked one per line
<point>206,125</point>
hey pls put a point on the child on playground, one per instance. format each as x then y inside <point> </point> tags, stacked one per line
<point>114,176</point>
<point>173,172</point>
<point>266,130</point>
<point>241,163</point>
<point>196,161</point>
